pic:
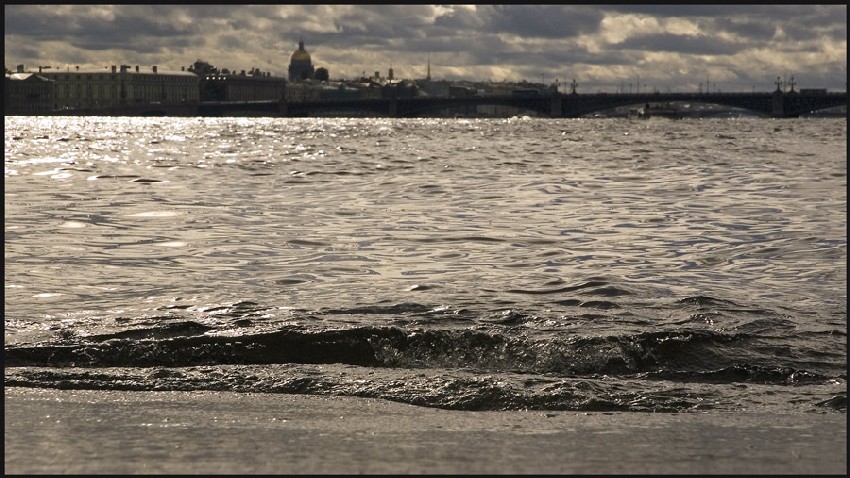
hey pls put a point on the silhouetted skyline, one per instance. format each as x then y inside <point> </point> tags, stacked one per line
<point>604,47</point>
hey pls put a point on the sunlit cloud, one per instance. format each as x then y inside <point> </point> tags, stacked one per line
<point>669,45</point>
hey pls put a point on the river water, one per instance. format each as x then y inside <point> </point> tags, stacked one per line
<point>472,264</point>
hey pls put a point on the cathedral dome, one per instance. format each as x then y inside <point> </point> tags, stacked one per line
<point>300,65</point>
<point>300,54</point>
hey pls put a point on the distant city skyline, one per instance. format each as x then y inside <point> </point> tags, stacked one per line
<point>602,47</point>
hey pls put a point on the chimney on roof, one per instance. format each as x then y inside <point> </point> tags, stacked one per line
<point>20,68</point>
<point>78,67</point>
<point>137,68</point>
<point>182,68</point>
<point>113,68</point>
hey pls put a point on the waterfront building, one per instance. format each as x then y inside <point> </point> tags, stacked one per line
<point>244,86</point>
<point>300,64</point>
<point>121,90</point>
<point>367,88</point>
<point>429,87</point>
<point>302,91</point>
<point>399,89</point>
<point>27,94</point>
<point>338,92</point>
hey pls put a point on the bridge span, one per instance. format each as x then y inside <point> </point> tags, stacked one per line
<point>776,104</point>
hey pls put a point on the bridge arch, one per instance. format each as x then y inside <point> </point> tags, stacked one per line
<point>776,104</point>
<point>373,107</point>
<point>414,107</point>
<point>765,104</point>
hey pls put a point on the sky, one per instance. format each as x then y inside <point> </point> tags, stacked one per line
<point>604,48</point>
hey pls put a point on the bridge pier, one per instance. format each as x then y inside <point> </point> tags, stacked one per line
<point>557,109</point>
<point>778,106</point>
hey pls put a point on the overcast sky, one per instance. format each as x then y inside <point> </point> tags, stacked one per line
<point>602,47</point>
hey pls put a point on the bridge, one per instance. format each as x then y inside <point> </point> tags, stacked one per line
<point>776,104</point>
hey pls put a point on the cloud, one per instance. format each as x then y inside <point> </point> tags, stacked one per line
<point>690,44</point>
<point>597,44</point>
<point>546,21</point>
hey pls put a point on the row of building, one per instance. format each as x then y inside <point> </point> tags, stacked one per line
<point>107,90</point>
<point>134,90</point>
<point>129,90</point>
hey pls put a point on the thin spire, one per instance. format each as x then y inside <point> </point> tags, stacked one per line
<point>428,77</point>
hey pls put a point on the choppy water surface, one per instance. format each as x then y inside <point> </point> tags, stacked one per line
<point>604,264</point>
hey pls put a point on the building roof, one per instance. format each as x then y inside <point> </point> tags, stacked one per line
<point>130,69</point>
<point>27,76</point>
<point>300,54</point>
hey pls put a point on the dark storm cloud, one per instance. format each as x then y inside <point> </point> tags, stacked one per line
<point>807,32</point>
<point>542,20</point>
<point>129,31</point>
<point>23,51</point>
<point>690,10</point>
<point>691,44</point>
<point>230,41</point>
<point>460,40</point>
<point>378,24</point>
<point>756,22</point>
<point>753,29</point>
<point>582,56</point>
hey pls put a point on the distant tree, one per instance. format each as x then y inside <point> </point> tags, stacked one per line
<point>321,74</point>
<point>202,68</point>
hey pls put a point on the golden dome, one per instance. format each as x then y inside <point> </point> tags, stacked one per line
<point>300,54</point>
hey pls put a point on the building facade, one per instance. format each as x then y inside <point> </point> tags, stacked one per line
<point>27,94</point>
<point>256,86</point>
<point>119,90</point>
<point>124,86</point>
